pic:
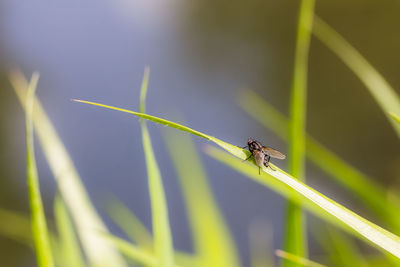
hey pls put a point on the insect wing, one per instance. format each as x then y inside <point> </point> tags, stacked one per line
<point>272,152</point>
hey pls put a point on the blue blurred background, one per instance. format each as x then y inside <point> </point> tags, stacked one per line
<point>201,54</point>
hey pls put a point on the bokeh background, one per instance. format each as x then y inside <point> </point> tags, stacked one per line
<point>201,55</point>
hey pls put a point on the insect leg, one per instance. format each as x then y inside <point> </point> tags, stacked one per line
<point>248,157</point>
<point>266,162</point>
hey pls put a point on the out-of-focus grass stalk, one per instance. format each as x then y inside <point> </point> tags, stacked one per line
<point>86,219</point>
<point>133,252</point>
<point>287,185</point>
<point>138,233</point>
<point>16,226</point>
<point>146,258</point>
<point>380,89</point>
<point>296,259</point>
<point>163,246</point>
<point>295,232</point>
<point>67,243</point>
<point>370,192</point>
<point>341,249</point>
<point>38,219</point>
<point>130,224</point>
<point>213,243</point>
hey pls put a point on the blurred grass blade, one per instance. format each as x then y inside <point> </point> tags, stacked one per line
<point>86,219</point>
<point>380,89</point>
<point>38,219</point>
<point>296,259</point>
<point>139,234</point>
<point>130,224</point>
<point>395,117</point>
<point>67,242</point>
<point>133,252</point>
<point>341,249</point>
<point>261,244</point>
<point>290,187</point>
<point>285,184</point>
<point>370,192</point>
<point>16,226</point>
<point>212,240</point>
<point>295,233</point>
<point>163,246</point>
<point>146,258</point>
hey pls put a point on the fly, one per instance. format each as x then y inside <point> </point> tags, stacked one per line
<point>262,154</point>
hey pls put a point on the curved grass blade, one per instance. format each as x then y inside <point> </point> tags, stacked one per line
<point>296,259</point>
<point>39,227</point>
<point>289,186</point>
<point>371,193</point>
<point>379,88</point>
<point>235,150</point>
<point>212,240</point>
<point>295,232</point>
<point>163,246</point>
<point>67,244</point>
<point>86,219</point>
<point>314,201</point>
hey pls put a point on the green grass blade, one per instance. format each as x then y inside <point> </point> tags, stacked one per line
<point>289,186</point>
<point>39,228</point>
<point>295,232</point>
<point>130,224</point>
<point>379,88</point>
<point>395,117</point>
<point>296,259</point>
<point>212,240</point>
<point>163,246</point>
<point>235,150</point>
<point>86,219</point>
<point>371,193</point>
<point>67,242</point>
<point>309,198</point>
